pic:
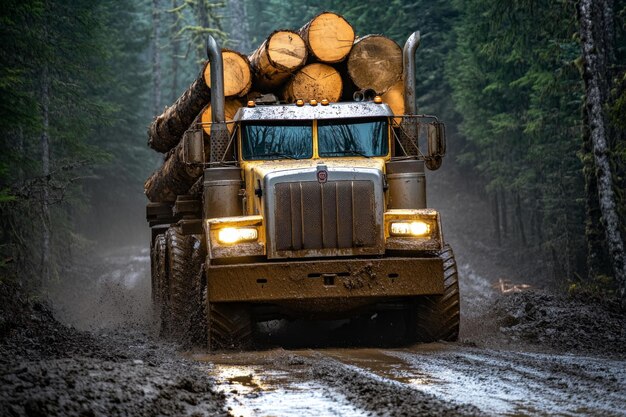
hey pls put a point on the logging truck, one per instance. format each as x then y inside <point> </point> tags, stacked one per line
<point>307,209</point>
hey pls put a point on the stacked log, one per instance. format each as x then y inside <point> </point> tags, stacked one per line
<point>322,60</point>
<point>231,106</point>
<point>328,37</point>
<point>237,74</point>
<point>174,177</point>
<point>375,62</point>
<point>314,82</point>
<point>278,58</point>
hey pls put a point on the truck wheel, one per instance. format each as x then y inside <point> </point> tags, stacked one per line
<point>159,278</point>
<point>437,317</point>
<point>229,326</point>
<point>180,288</point>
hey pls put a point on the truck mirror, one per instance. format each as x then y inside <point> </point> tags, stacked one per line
<point>193,147</point>
<point>436,145</point>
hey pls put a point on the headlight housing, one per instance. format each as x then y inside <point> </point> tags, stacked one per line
<point>232,237</point>
<point>417,230</point>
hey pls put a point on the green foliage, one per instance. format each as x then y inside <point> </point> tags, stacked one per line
<point>516,86</point>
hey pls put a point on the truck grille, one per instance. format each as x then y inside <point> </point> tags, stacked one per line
<point>332,215</point>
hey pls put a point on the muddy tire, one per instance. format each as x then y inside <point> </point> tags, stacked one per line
<point>437,317</point>
<point>158,257</point>
<point>180,288</point>
<point>229,326</point>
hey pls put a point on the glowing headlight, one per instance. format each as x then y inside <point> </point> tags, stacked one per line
<point>415,228</point>
<point>235,235</point>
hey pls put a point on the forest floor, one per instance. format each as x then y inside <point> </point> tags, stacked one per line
<point>524,349</point>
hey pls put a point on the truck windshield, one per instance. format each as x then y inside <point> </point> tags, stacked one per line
<point>277,140</point>
<point>353,137</point>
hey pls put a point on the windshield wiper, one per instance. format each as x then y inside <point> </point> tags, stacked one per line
<point>271,154</point>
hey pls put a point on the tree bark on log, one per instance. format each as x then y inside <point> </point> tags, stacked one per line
<point>593,15</point>
<point>166,130</point>
<point>173,178</point>
<point>328,37</point>
<point>279,56</point>
<point>314,82</point>
<point>237,74</point>
<point>375,62</point>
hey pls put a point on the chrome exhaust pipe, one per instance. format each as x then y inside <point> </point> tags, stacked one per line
<point>408,60</point>
<point>219,133</point>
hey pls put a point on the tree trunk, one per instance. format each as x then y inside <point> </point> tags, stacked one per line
<point>328,37</point>
<point>239,28</point>
<point>156,57</point>
<point>520,219</point>
<point>237,74</point>
<point>504,214</point>
<point>278,57</point>
<point>175,39</point>
<point>594,17</point>
<point>45,168</point>
<point>314,82</point>
<point>167,129</point>
<point>495,209</point>
<point>375,62</point>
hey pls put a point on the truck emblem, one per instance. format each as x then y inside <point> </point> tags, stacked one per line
<point>322,176</point>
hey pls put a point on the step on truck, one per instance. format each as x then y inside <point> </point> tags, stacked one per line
<point>308,210</point>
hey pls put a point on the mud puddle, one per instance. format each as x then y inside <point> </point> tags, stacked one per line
<point>271,384</point>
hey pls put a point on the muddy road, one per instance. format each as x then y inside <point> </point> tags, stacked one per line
<point>434,379</point>
<point>119,366</point>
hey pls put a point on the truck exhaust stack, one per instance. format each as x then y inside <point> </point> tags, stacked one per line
<point>408,58</point>
<point>219,133</point>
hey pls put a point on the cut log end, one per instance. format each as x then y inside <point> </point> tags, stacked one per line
<point>282,53</point>
<point>230,109</point>
<point>329,37</point>
<point>394,97</point>
<point>375,62</point>
<point>237,74</point>
<point>314,82</point>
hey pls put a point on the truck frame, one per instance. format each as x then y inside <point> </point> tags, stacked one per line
<point>310,210</point>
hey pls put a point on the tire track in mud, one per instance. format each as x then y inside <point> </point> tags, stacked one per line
<point>432,380</point>
<point>499,382</point>
<point>317,382</point>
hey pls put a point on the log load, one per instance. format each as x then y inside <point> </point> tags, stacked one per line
<point>328,37</point>
<point>279,56</point>
<point>173,178</point>
<point>167,129</point>
<point>314,82</point>
<point>277,68</point>
<point>237,74</point>
<point>230,109</point>
<point>375,62</point>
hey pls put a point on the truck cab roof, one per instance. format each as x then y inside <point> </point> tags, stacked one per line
<point>349,110</point>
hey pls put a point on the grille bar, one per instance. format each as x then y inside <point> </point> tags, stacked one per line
<point>332,215</point>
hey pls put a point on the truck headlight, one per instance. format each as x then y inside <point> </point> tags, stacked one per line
<point>415,228</point>
<point>235,237</point>
<point>230,235</point>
